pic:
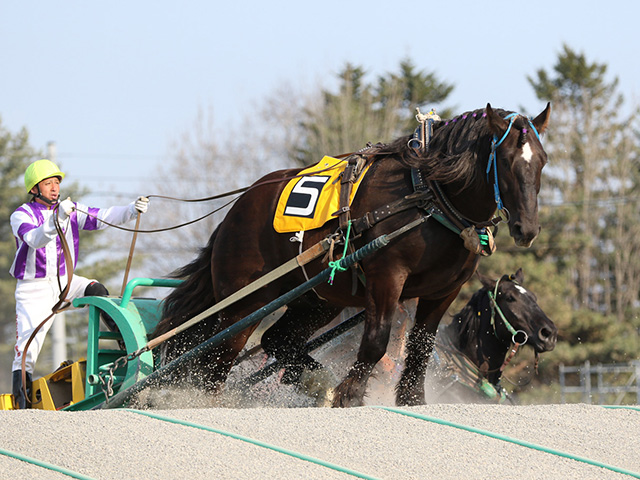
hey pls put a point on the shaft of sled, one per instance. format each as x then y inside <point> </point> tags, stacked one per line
<point>302,259</point>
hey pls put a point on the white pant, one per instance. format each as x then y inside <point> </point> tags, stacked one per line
<point>34,301</point>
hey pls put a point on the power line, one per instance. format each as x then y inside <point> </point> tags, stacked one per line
<point>602,202</point>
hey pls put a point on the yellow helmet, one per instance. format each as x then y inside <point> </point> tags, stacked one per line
<point>38,171</point>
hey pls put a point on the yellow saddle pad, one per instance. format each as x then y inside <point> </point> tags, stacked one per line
<point>307,202</point>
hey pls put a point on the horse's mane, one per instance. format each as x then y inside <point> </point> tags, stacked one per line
<point>458,150</point>
<point>466,324</point>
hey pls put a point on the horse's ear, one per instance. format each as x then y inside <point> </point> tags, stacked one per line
<point>518,276</point>
<point>542,121</point>
<point>486,281</point>
<point>497,124</point>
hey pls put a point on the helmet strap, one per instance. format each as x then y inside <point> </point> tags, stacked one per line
<point>39,195</point>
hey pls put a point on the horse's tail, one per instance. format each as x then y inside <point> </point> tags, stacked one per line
<point>194,295</point>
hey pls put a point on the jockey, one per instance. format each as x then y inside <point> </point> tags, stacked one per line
<point>39,265</point>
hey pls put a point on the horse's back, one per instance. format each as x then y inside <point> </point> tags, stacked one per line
<point>247,246</point>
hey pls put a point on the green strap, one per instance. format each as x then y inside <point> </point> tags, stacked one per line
<point>496,308</point>
<point>482,235</point>
<point>445,221</point>
<point>336,265</point>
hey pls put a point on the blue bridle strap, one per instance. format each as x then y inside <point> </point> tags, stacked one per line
<point>495,143</point>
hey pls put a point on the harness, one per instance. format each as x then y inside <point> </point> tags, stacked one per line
<point>428,196</point>
<point>462,370</point>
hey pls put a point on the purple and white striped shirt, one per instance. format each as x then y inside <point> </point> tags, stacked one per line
<point>39,250</point>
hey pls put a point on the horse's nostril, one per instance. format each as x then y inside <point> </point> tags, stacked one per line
<point>524,234</point>
<point>517,229</point>
<point>547,334</point>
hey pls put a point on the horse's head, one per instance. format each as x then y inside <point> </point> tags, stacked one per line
<point>521,311</point>
<point>516,163</point>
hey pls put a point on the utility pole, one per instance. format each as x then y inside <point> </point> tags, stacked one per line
<point>58,329</point>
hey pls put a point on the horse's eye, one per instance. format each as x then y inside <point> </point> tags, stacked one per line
<point>510,298</point>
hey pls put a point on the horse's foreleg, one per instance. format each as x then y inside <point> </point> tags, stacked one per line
<point>377,327</point>
<point>410,387</point>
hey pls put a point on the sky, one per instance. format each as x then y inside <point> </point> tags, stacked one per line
<point>115,84</point>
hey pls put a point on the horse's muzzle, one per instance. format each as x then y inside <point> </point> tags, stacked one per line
<point>524,236</point>
<point>546,338</point>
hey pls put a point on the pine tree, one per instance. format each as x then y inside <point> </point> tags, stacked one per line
<point>592,163</point>
<point>15,155</point>
<point>362,112</point>
<point>589,213</point>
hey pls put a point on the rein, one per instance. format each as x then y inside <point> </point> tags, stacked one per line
<point>165,229</point>
<point>213,197</point>
<point>59,306</point>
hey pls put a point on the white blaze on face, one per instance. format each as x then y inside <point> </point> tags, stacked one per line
<point>522,290</point>
<point>527,153</point>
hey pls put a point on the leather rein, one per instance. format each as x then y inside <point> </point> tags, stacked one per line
<point>60,304</point>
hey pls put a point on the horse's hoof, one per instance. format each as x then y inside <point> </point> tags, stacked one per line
<point>293,373</point>
<point>343,401</point>
<point>318,384</point>
<point>339,402</point>
<point>327,401</point>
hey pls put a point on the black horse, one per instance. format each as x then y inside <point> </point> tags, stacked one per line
<point>480,340</point>
<point>474,163</point>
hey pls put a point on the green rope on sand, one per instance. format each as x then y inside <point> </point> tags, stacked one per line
<point>336,265</point>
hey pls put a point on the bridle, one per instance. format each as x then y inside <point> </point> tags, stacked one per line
<point>466,372</point>
<point>518,337</point>
<point>495,143</point>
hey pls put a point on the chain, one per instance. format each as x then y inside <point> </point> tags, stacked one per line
<point>107,385</point>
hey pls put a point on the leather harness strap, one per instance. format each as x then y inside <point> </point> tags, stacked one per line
<point>352,171</point>
<point>420,199</point>
<point>429,197</point>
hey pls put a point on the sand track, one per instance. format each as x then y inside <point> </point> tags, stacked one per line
<point>116,444</point>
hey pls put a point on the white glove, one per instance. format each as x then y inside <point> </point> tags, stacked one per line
<point>141,204</point>
<point>65,208</point>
